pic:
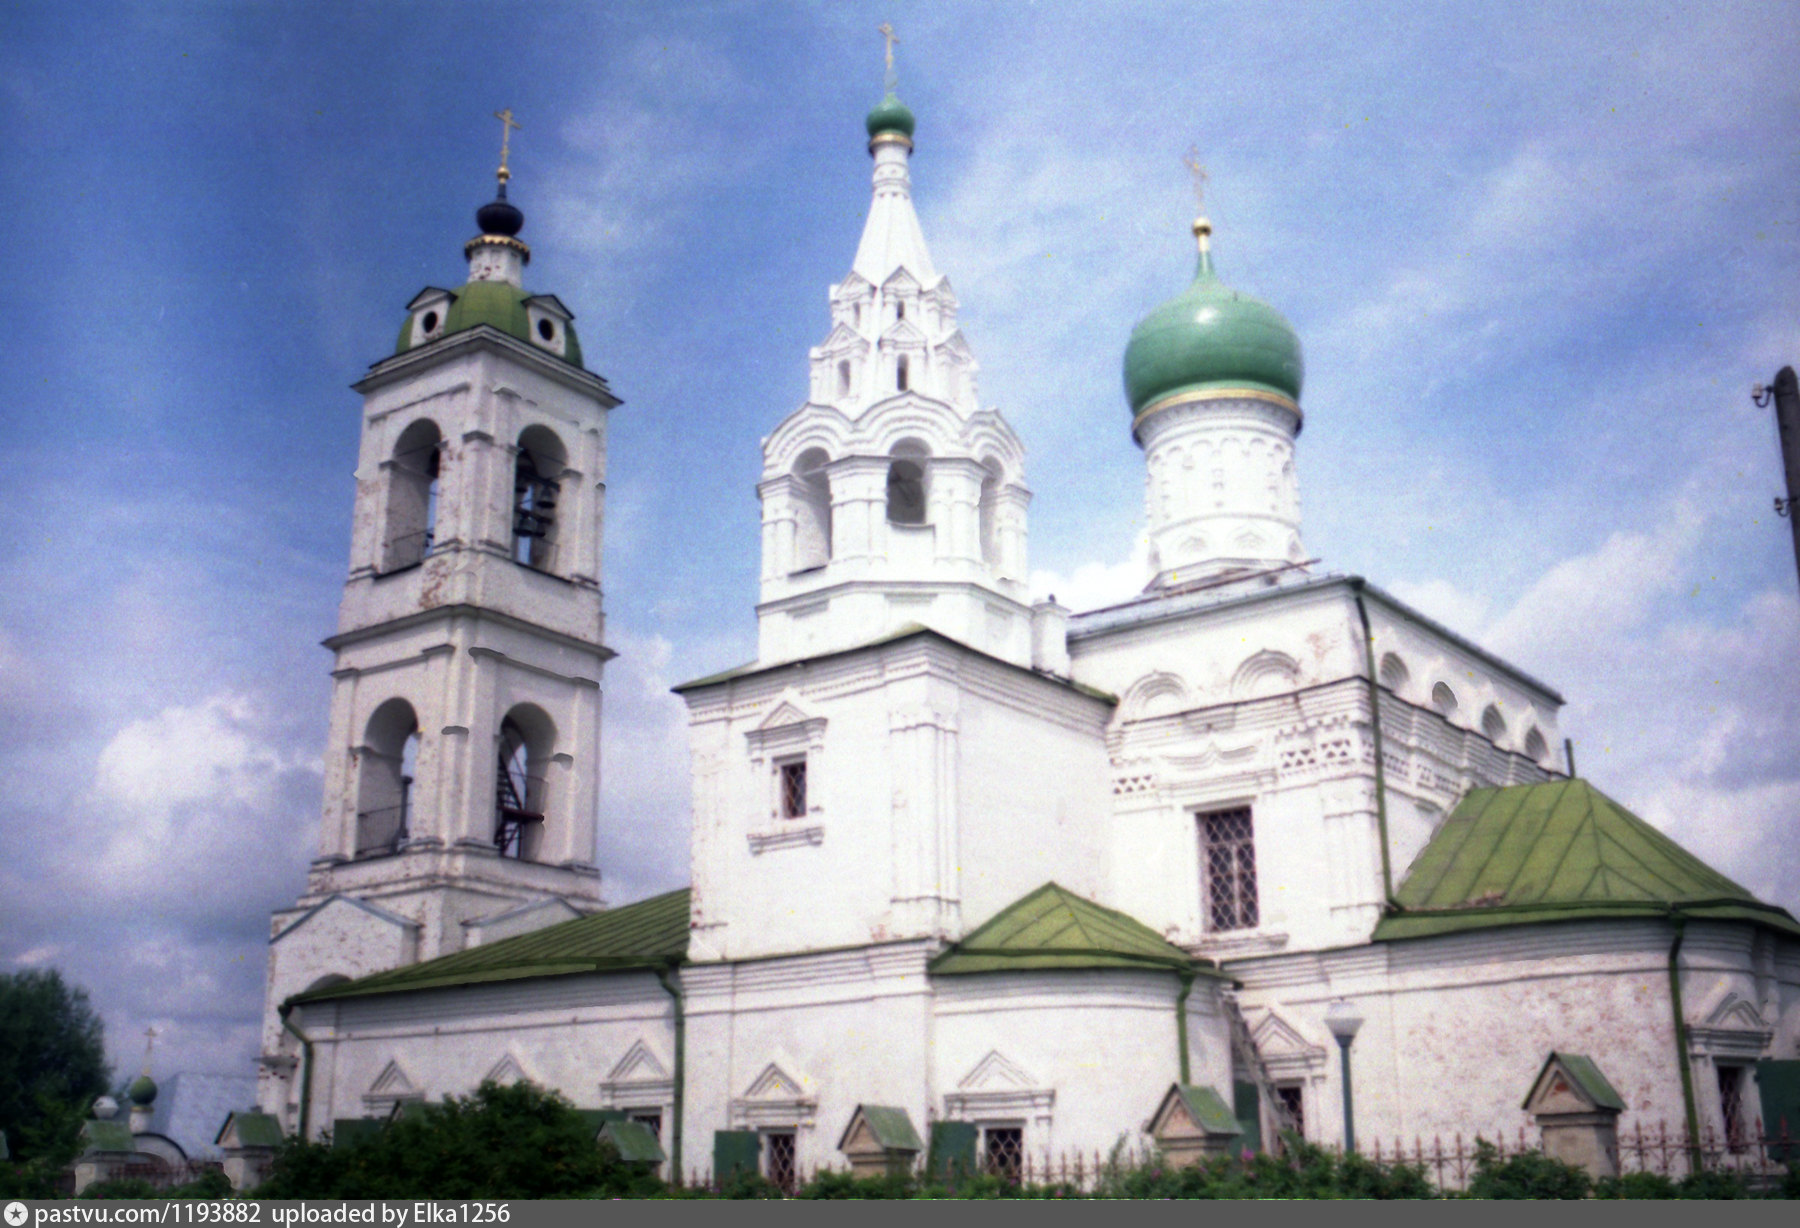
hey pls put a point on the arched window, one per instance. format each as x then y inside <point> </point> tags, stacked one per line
<point>843,372</point>
<point>1394,674</point>
<point>900,373</point>
<point>900,309</point>
<point>989,513</point>
<point>812,511</point>
<point>520,803</point>
<point>1535,746</point>
<point>906,484</point>
<point>412,496</point>
<point>1443,698</point>
<point>385,764</point>
<point>536,491</point>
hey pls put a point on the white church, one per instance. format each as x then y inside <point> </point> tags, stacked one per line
<point>970,872</point>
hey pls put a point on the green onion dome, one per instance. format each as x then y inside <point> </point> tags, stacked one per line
<point>890,115</point>
<point>142,1091</point>
<point>1210,338</point>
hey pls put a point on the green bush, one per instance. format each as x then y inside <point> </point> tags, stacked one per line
<point>502,1142</point>
<point>1528,1174</point>
<point>1636,1185</point>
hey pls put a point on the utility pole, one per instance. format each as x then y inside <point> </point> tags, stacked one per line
<point>1786,395</point>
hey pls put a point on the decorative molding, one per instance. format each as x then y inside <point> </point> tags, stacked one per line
<point>637,1079</point>
<point>775,1098</point>
<point>790,834</point>
<point>506,1071</point>
<point>998,1089</point>
<point>391,1087</point>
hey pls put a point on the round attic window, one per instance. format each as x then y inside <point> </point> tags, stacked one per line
<point>1443,698</point>
<point>430,321</point>
<point>546,330</point>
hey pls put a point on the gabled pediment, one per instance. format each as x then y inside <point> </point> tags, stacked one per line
<point>854,286</point>
<point>903,332</point>
<point>954,346</point>
<point>774,1083</point>
<point>638,1065</point>
<point>428,296</point>
<point>392,1081</point>
<point>339,903</point>
<point>551,304</point>
<point>996,1072</point>
<point>900,282</point>
<point>843,340</point>
<point>787,711</point>
<point>506,1072</point>
<point>1727,1009</point>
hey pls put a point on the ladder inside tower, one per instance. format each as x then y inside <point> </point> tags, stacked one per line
<point>517,809</point>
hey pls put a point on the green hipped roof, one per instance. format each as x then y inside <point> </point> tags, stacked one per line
<point>1558,851</point>
<point>1208,1109</point>
<point>1581,1068</point>
<point>633,1141</point>
<point>652,933</point>
<point>1210,337</point>
<point>497,303</point>
<point>1055,928</point>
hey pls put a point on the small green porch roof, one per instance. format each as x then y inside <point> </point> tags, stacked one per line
<point>1208,1109</point>
<point>633,1141</point>
<point>649,934</point>
<point>1581,1068</point>
<point>1558,851</point>
<point>253,1128</point>
<point>1055,928</point>
<point>891,1127</point>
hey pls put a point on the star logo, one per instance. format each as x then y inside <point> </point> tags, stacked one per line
<point>16,1213</point>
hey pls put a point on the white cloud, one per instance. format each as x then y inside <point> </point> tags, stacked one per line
<point>1092,586</point>
<point>645,802</point>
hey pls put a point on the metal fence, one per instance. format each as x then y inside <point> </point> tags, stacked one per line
<point>1762,1157</point>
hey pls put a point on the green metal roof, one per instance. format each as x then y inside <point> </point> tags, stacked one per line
<point>891,1127</point>
<point>1587,1076</point>
<point>1208,1109</point>
<point>633,1141</point>
<point>106,1136</point>
<point>499,304</point>
<point>1557,851</point>
<point>1055,928</point>
<point>253,1129</point>
<point>652,933</point>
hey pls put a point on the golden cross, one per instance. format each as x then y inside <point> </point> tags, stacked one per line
<point>888,36</point>
<point>1192,162</point>
<point>507,126</point>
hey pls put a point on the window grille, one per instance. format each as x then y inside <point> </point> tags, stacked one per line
<point>1003,1151</point>
<point>534,512</point>
<point>779,1159</point>
<point>1731,1104</point>
<point>1228,865</point>
<point>793,790</point>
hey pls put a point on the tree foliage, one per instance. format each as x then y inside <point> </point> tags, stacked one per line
<point>52,1064</point>
<point>514,1141</point>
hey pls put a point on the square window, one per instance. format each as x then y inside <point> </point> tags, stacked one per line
<point>1228,869</point>
<point>778,1160</point>
<point>791,786</point>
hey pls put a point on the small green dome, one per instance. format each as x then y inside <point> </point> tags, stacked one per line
<point>498,303</point>
<point>890,115</point>
<point>142,1091</point>
<point>1211,337</point>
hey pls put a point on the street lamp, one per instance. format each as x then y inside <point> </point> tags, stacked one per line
<point>1344,1020</point>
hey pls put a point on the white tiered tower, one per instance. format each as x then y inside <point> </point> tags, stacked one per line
<point>462,772</point>
<point>890,498</point>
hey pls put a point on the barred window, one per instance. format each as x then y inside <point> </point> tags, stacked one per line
<point>1228,869</point>
<point>778,1160</point>
<point>1295,1104</point>
<point>793,789</point>
<point>1003,1151</point>
<point>1731,1105</point>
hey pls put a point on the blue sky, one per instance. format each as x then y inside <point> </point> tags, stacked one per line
<point>1537,257</point>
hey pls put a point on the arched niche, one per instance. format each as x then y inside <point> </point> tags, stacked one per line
<point>812,510</point>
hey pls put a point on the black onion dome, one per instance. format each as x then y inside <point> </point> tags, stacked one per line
<point>500,216</point>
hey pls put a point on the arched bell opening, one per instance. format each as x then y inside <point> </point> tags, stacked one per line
<point>527,740</point>
<point>537,488</point>
<point>412,495</point>
<point>386,764</point>
<point>812,510</point>
<point>906,489</point>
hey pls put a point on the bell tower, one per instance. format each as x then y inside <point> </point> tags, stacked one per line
<point>462,770</point>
